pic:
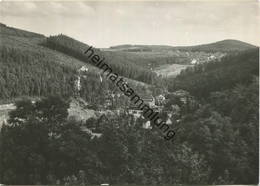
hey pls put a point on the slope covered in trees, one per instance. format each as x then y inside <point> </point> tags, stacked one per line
<point>34,75</point>
<point>31,74</point>
<point>223,127</point>
<point>29,69</point>
<point>203,79</point>
<point>228,45</point>
<point>119,64</point>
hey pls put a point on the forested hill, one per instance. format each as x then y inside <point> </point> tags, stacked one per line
<point>6,30</point>
<point>29,69</point>
<point>228,45</point>
<point>120,65</point>
<point>32,43</point>
<point>232,70</point>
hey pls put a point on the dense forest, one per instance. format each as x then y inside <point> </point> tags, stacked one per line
<point>23,74</point>
<point>40,146</point>
<point>118,63</point>
<point>202,79</point>
<point>228,45</point>
<point>35,75</point>
<point>216,137</point>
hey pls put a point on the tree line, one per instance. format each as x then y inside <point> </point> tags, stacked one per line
<point>118,63</point>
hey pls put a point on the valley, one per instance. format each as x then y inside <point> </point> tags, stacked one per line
<point>157,61</point>
<point>63,123</point>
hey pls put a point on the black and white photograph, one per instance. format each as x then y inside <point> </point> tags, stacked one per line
<point>129,93</point>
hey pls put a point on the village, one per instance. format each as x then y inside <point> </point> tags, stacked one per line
<point>168,105</point>
<point>169,112</point>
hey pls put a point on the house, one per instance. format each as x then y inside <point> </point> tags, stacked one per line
<point>95,135</point>
<point>176,109</point>
<point>119,111</point>
<point>83,69</point>
<point>161,97</point>
<point>147,125</point>
<point>183,95</point>
<point>137,113</point>
<point>157,108</point>
<point>149,100</point>
<point>136,110</point>
<point>88,131</point>
<point>194,61</point>
<point>160,100</point>
<point>212,57</point>
<point>168,121</point>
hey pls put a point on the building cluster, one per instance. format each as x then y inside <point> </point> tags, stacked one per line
<point>169,106</point>
<point>201,57</point>
<point>169,111</point>
<point>113,102</point>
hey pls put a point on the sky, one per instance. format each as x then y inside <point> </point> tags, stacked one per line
<point>103,24</point>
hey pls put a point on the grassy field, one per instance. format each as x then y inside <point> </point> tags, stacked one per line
<point>171,70</point>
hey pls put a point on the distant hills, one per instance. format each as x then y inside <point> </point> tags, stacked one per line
<point>227,45</point>
<point>171,60</point>
<point>224,45</point>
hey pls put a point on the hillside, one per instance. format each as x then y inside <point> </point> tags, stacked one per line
<point>232,70</point>
<point>228,45</point>
<point>120,65</point>
<point>14,38</point>
<point>6,30</point>
<point>30,42</point>
<point>39,69</point>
